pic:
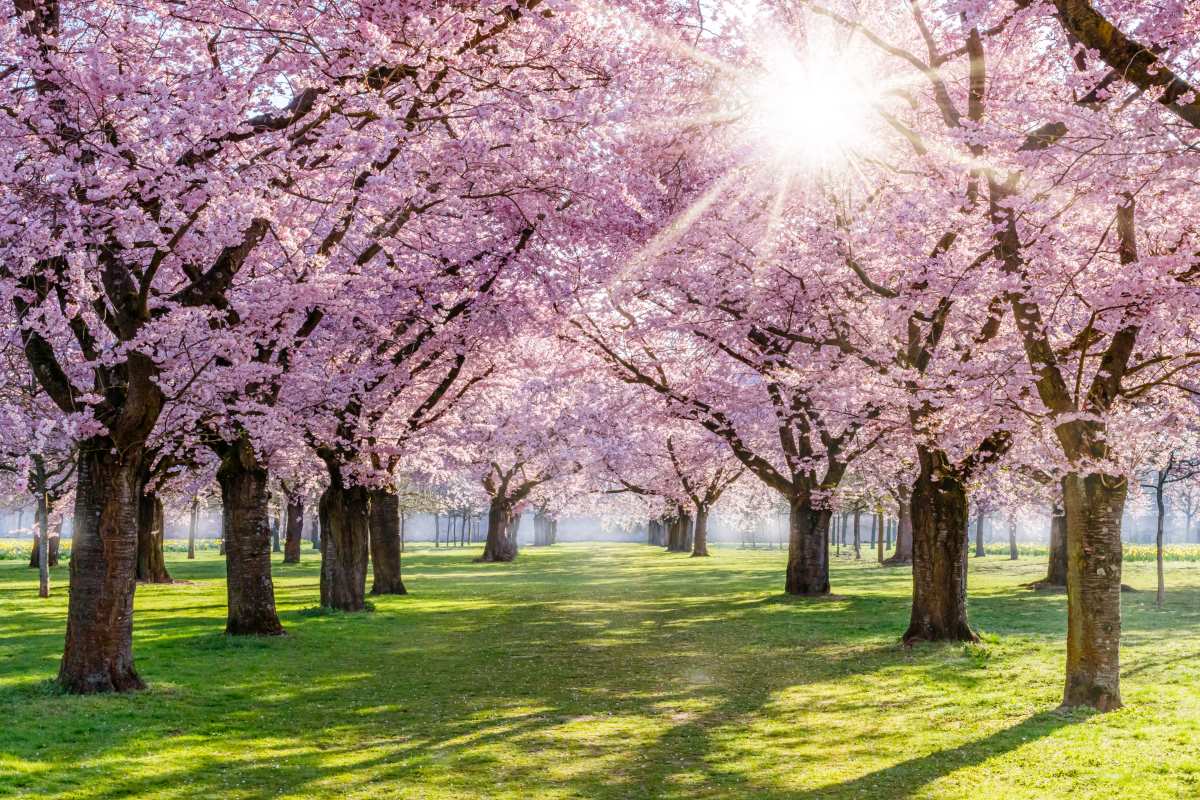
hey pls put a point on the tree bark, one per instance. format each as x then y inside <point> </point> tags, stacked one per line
<point>98,655</point>
<point>808,549</point>
<point>1094,504</point>
<point>55,543</point>
<point>980,552</point>
<point>857,535</point>
<point>700,534</point>
<point>501,543</point>
<point>654,533</point>
<point>345,524</point>
<point>904,534</point>
<point>541,529</point>
<point>1056,570</point>
<point>939,523</point>
<point>294,532</point>
<point>1160,595</point>
<point>879,536</point>
<point>151,564</point>
<point>42,546</point>
<point>245,519</point>
<point>192,522</point>
<point>385,542</point>
<point>1012,539</point>
<point>51,548</point>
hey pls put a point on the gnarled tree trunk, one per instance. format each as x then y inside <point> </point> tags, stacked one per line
<point>1094,504</point>
<point>345,525</point>
<point>700,535</point>
<point>385,542</point>
<point>151,564</point>
<point>808,548</point>
<point>501,543</point>
<point>249,590</point>
<point>98,656</point>
<point>939,521</point>
<point>294,530</point>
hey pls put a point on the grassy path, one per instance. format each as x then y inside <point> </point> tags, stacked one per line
<point>601,671</point>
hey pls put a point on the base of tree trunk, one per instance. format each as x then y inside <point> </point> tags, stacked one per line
<point>496,558</point>
<point>1091,697</point>
<point>894,561</point>
<point>918,633</point>
<point>102,681</point>
<point>254,627</point>
<point>396,588</point>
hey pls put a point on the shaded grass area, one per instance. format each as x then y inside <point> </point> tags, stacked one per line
<point>601,671</point>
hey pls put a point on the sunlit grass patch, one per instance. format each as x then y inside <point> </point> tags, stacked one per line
<point>602,671</point>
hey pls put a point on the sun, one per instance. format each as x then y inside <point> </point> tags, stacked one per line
<point>810,109</point>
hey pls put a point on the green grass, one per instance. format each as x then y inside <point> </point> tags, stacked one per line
<point>12,549</point>
<point>601,671</point>
<point>1131,552</point>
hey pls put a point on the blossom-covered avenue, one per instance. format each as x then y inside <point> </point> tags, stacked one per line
<point>539,255</point>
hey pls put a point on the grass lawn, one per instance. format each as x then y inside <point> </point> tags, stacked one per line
<point>601,671</point>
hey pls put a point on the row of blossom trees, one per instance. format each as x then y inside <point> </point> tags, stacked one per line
<point>676,253</point>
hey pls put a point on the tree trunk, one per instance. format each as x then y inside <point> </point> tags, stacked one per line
<point>939,530</point>
<point>314,530</point>
<point>151,564</point>
<point>43,546</point>
<point>385,542</point>
<point>50,546</point>
<point>345,523</point>
<point>98,655</point>
<point>541,529</point>
<point>192,521</point>
<point>245,520</point>
<point>1094,504</point>
<point>980,552</point>
<point>501,542</point>
<point>1056,570</point>
<point>275,545</point>
<point>679,537</point>
<point>294,531</point>
<point>808,548</point>
<point>1160,596</point>
<point>904,530</point>
<point>700,534</point>
<point>879,536</point>
<point>1012,539</point>
<point>857,535</point>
